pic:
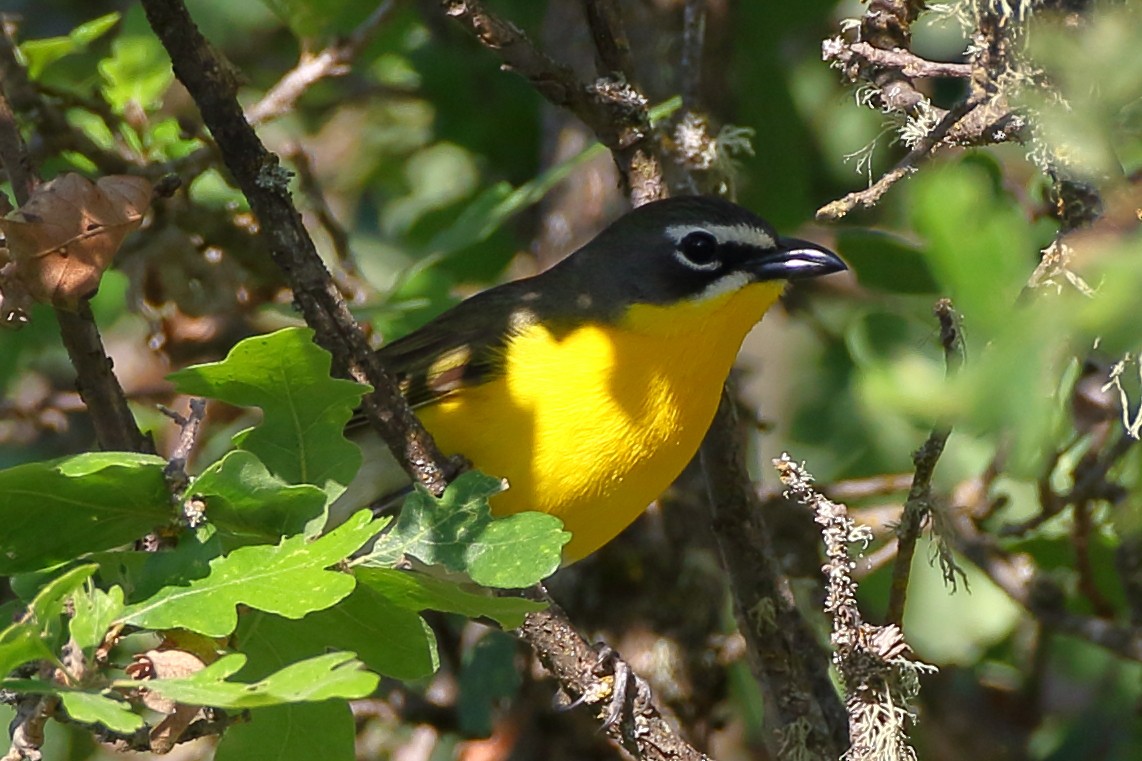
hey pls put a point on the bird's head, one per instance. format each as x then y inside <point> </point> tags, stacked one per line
<point>692,248</point>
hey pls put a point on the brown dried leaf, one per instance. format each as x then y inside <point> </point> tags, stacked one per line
<point>166,733</point>
<point>67,233</point>
<point>162,664</point>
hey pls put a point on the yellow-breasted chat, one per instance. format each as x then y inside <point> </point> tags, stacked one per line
<point>590,386</point>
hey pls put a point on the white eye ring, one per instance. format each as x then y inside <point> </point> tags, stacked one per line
<point>698,250</point>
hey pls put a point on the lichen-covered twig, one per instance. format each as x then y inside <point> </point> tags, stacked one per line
<point>880,57</point>
<point>834,210</point>
<point>880,681</point>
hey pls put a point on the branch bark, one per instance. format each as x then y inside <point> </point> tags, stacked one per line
<point>640,728</point>
<point>264,183</point>
<point>786,659</point>
<point>613,109</point>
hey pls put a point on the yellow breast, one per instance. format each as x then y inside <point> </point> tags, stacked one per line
<point>593,424</point>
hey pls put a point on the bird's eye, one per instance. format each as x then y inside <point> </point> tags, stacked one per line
<point>699,247</point>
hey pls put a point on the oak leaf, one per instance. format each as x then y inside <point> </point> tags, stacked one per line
<point>66,235</point>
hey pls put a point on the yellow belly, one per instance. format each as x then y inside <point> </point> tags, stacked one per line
<point>592,425</point>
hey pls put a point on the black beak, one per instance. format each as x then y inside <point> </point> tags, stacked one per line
<point>795,259</point>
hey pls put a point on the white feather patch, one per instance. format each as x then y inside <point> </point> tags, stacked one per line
<point>740,233</point>
<point>727,283</point>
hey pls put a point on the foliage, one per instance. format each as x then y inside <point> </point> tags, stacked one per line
<point>426,172</point>
<point>296,588</point>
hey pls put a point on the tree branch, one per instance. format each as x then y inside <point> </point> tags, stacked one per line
<point>264,183</point>
<point>834,210</point>
<point>790,666</point>
<point>614,110</point>
<point>640,728</point>
<point>611,44</point>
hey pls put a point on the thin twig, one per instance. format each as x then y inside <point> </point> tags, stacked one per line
<point>693,42</point>
<point>1016,575</point>
<point>614,110</point>
<point>1080,539</point>
<point>905,61</point>
<point>1090,483</point>
<point>834,210</point>
<point>918,505</point>
<point>189,428</point>
<point>307,182</point>
<point>333,61</point>
<point>855,489</point>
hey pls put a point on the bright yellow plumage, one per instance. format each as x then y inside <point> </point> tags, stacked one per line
<point>592,426</point>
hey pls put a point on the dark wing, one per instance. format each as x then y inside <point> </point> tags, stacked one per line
<point>460,348</point>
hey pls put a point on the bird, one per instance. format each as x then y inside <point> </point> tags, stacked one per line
<point>589,386</point>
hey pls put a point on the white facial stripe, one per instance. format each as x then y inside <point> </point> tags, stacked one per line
<point>739,233</point>
<point>707,267</point>
<point>725,284</point>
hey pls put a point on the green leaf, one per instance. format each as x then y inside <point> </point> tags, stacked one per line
<point>288,579</point>
<point>458,531</point>
<point>94,708</point>
<point>285,374</point>
<point>517,550</point>
<point>95,612</point>
<point>142,577</point>
<point>500,202</point>
<point>138,70</point>
<point>292,732</point>
<point>21,643</point>
<point>90,707</point>
<point>334,675</point>
<point>972,228</point>
<point>886,262</point>
<point>389,639</point>
<point>40,54</point>
<point>48,602</point>
<point>419,591</point>
<point>55,511</point>
<point>243,498</point>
